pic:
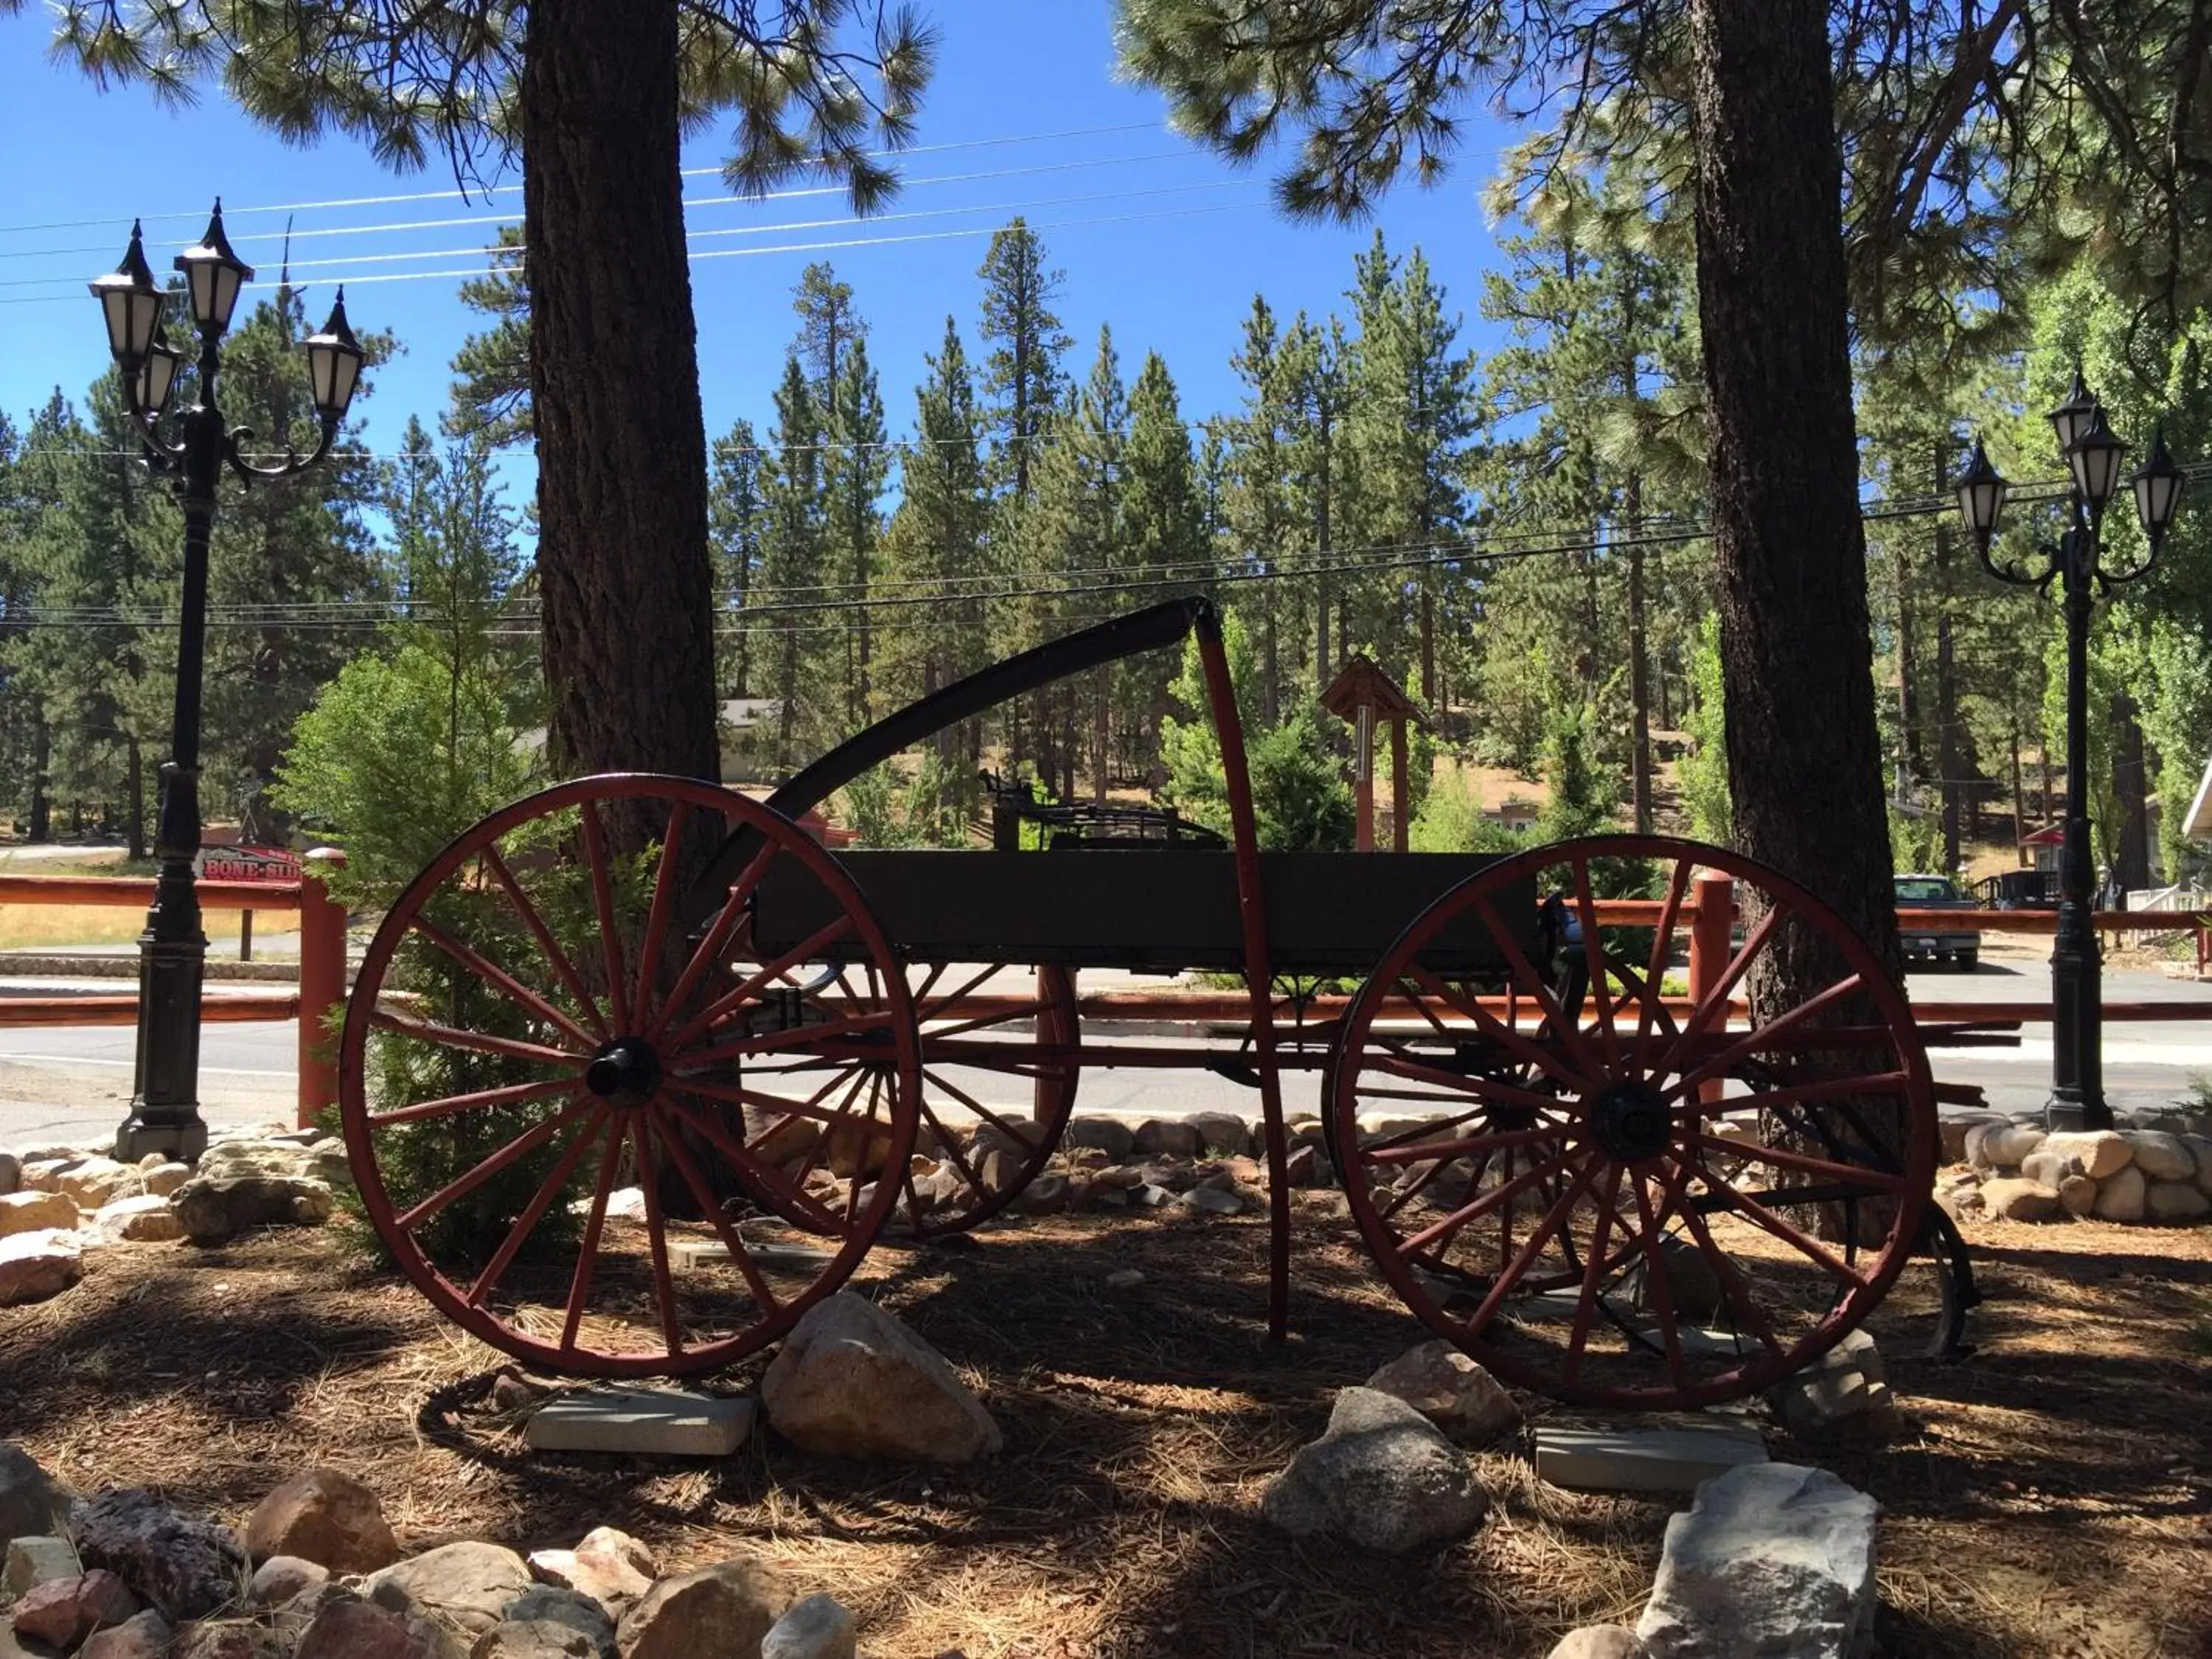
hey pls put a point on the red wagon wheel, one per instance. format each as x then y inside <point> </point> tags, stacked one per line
<point>987,1153</point>
<point>1604,1190</point>
<point>528,1034</point>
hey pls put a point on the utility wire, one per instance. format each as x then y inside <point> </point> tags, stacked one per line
<point>491,190</point>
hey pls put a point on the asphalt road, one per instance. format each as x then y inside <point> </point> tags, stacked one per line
<point>73,1084</point>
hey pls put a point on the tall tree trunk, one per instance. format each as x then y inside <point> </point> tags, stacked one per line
<point>2018,798</point>
<point>1101,730</point>
<point>135,799</point>
<point>1804,751</point>
<point>622,450</point>
<point>42,755</point>
<point>1912,760</point>
<point>2130,792</point>
<point>1428,632</point>
<point>1639,666</point>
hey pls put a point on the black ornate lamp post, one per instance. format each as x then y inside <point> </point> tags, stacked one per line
<point>165,1114</point>
<point>2092,452</point>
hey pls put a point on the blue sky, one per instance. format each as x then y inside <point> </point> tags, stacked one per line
<point>1157,237</point>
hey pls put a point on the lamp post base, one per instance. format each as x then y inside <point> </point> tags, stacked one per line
<point>2066,1115</point>
<point>179,1143</point>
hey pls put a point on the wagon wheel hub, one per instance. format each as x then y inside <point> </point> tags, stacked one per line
<point>1629,1120</point>
<point>624,1073</point>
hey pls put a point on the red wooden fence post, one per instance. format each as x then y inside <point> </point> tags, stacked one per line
<point>322,982</point>
<point>1712,915</point>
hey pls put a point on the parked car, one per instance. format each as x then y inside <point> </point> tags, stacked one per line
<point>1918,892</point>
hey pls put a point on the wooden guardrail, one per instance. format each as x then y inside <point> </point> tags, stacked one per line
<point>322,961</point>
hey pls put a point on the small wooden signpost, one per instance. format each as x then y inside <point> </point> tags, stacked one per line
<point>1360,694</point>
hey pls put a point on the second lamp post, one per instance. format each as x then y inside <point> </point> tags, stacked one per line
<point>165,1114</point>
<point>2092,453</point>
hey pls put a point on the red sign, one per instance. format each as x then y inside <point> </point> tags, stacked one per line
<point>266,864</point>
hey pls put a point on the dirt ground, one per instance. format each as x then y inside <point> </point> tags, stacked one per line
<point>2051,1497</point>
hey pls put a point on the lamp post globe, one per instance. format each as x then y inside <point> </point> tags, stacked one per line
<point>2094,460</point>
<point>2070,420</point>
<point>2157,484</point>
<point>130,303</point>
<point>1982,491</point>
<point>214,274</point>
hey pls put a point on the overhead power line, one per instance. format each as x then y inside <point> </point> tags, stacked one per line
<point>490,190</point>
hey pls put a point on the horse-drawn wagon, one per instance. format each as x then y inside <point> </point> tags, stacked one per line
<point>1602,1186</point>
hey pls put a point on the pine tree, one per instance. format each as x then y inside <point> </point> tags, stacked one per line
<point>855,466</point>
<point>1023,381</point>
<point>1259,506</point>
<point>736,520</point>
<point>792,565</point>
<point>1163,540</point>
<point>491,371</point>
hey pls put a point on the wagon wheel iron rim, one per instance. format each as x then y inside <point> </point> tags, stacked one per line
<point>1557,1144</point>
<point>586,1042</point>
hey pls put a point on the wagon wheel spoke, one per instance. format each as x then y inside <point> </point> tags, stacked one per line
<point>1526,976</point>
<point>511,1095</point>
<point>749,1164</point>
<point>1765,1039</point>
<point>656,921</point>
<point>716,1218</point>
<point>716,939</point>
<point>481,1042</point>
<point>1651,1005</point>
<point>1594,960</point>
<point>579,1040</point>
<point>1714,1004</point>
<point>749,989</point>
<point>534,1211</point>
<point>1734,1285</point>
<point>1450,1226</point>
<point>1541,1235</point>
<point>1468,1086</point>
<point>1521,1047</point>
<point>562,965</point>
<point>1464,1146</point>
<point>1875,1181</point>
<point>1593,1271</point>
<point>664,1283</point>
<point>1759,1216</point>
<point>587,1250</point>
<point>603,902</point>
<point>521,1146</point>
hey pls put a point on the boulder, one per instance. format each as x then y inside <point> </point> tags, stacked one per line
<point>852,1381</point>
<point>324,1517</point>
<point>33,1212</point>
<point>534,1638</point>
<point>184,1567</point>
<point>2120,1196</point>
<point>724,1609</point>
<point>30,1502</point>
<point>610,1567</point>
<point>1451,1390</point>
<point>1108,1135</point>
<point>1307,1166</point>
<point>44,1174</point>
<point>468,1585</point>
<point>1018,1141</point>
<point>353,1629</point>
<point>1222,1132</point>
<point>215,1210</point>
<point>1210,1201</point>
<point>2161,1157</point>
<point>142,1636</point>
<point>36,1561</point>
<point>2000,1145</point>
<point>1841,1397</point>
<point>280,1577</point>
<point>2077,1195</point>
<point>164,1179</point>
<point>1771,1561</point>
<point>2010,1198</point>
<point>230,1638</point>
<point>2173,1202</point>
<point>1601,1641</point>
<point>571,1610</point>
<point>36,1266</point>
<point>2200,1148</point>
<point>1953,1132</point>
<point>230,1160</point>
<point>2101,1152</point>
<point>327,1163</point>
<point>2049,1168</point>
<point>1382,1478</point>
<point>1693,1285</point>
<point>816,1628</point>
<point>1168,1137</point>
<point>63,1611</point>
<point>11,1173</point>
<point>144,1219</point>
<point>99,1180</point>
<point>1048,1194</point>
